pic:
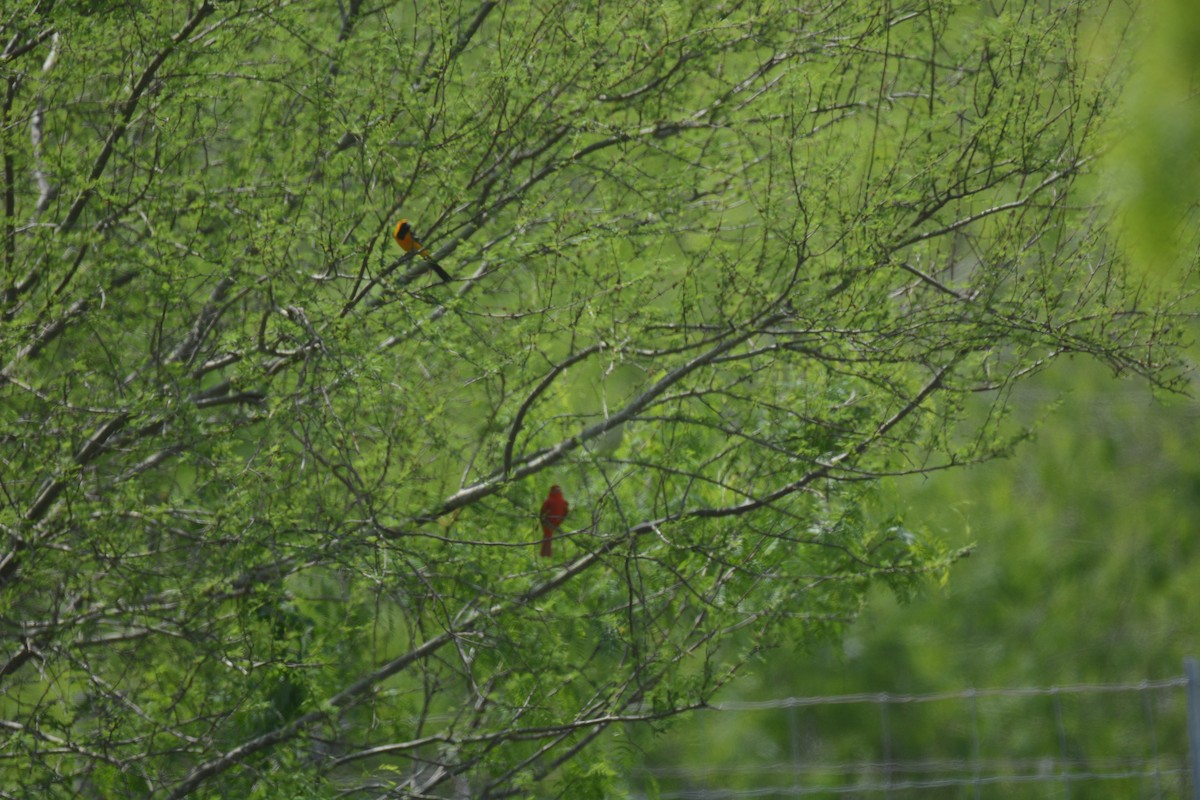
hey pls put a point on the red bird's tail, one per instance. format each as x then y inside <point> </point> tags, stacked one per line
<point>547,535</point>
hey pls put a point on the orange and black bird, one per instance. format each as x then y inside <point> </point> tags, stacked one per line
<point>404,238</point>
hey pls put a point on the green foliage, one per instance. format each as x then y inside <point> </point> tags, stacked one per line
<point>1096,514</point>
<point>1157,163</point>
<point>271,491</point>
<point>1082,573</point>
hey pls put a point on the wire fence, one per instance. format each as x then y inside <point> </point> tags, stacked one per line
<point>1128,740</point>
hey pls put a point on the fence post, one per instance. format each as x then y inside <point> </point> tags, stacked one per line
<point>1192,670</point>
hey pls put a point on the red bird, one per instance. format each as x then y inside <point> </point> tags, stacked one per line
<point>554,511</point>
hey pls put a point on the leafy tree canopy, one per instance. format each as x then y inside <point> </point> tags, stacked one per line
<point>271,488</point>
